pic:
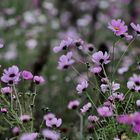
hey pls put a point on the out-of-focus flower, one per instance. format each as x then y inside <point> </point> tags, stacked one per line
<point>96,69</point>
<point>38,80</point>
<point>138,103</point>
<point>6,90</point>
<point>3,110</point>
<point>65,61</point>
<point>15,131</point>
<point>118,27</point>
<point>136,27</point>
<point>11,75</point>
<point>105,111</point>
<point>127,36</point>
<point>82,86</point>
<point>93,118</point>
<point>118,96</point>
<point>100,58</point>
<point>50,134</point>
<point>131,119</point>
<point>25,118</point>
<point>54,122</point>
<point>106,87</point>
<point>86,108</point>
<point>27,75</point>
<point>73,104</point>
<point>68,42</point>
<point>31,43</point>
<point>28,136</point>
<point>122,70</point>
<point>49,116</point>
<point>134,83</point>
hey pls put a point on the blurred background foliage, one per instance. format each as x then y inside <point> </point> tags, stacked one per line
<point>30,29</point>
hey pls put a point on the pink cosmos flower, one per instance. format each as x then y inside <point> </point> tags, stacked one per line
<point>105,111</point>
<point>118,96</point>
<point>28,136</point>
<point>127,36</point>
<point>118,27</point>
<point>65,61</point>
<point>96,69</point>
<point>68,42</point>
<point>11,75</point>
<point>134,83</point>
<point>49,116</point>
<point>136,27</point>
<point>15,130</point>
<point>73,104</point>
<point>6,90</point>
<point>54,122</point>
<point>131,119</point>
<point>86,108</point>
<point>27,75</point>
<point>82,86</point>
<point>50,134</point>
<point>25,118</point>
<point>93,118</point>
<point>3,110</point>
<point>100,58</point>
<point>38,80</point>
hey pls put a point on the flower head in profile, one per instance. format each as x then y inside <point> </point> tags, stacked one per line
<point>25,118</point>
<point>11,75</point>
<point>6,90</point>
<point>136,27</point>
<point>38,80</point>
<point>50,134</point>
<point>73,104</point>
<point>15,130</point>
<point>86,108</point>
<point>118,27</point>
<point>65,61</point>
<point>93,118</point>
<point>100,58</point>
<point>27,75</point>
<point>66,43</point>
<point>81,87</point>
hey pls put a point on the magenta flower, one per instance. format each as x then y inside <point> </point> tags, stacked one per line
<point>134,83</point>
<point>6,90</point>
<point>54,122</point>
<point>27,75</point>
<point>25,118</point>
<point>73,104</point>
<point>50,134</point>
<point>96,69</point>
<point>135,27</point>
<point>15,130</point>
<point>3,110</point>
<point>127,36</point>
<point>68,42</point>
<point>49,116</point>
<point>131,119</point>
<point>82,86</point>
<point>93,118</point>
<point>118,27</point>
<point>100,58</point>
<point>28,136</point>
<point>38,80</point>
<point>86,108</point>
<point>118,96</point>
<point>105,111</point>
<point>11,75</point>
<point>65,61</point>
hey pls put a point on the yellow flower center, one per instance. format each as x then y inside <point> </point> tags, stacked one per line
<point>116,28</point>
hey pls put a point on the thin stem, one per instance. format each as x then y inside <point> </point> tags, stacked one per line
<point>20,108</point>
